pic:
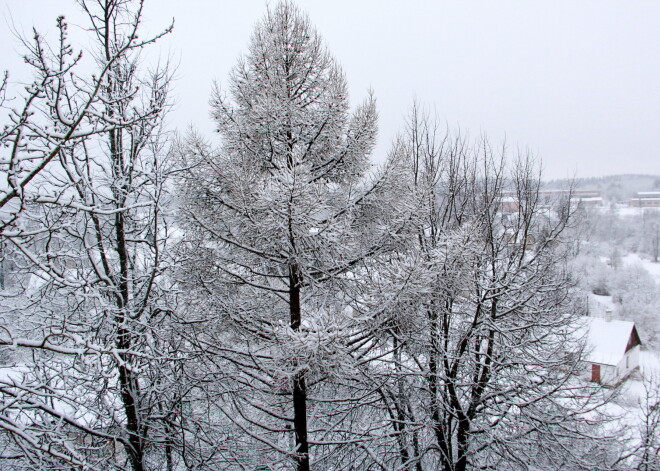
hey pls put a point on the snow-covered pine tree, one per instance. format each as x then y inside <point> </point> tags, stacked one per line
<point>280,221</point>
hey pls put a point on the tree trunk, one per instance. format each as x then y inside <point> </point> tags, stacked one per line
<point>462,445</point>
<point>299,384</point>
<point>127,381</point>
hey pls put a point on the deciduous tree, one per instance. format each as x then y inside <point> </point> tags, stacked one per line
<point>483,373</point>
<point>94,383</point>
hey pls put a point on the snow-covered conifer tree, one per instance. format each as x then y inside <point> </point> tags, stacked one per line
<point>276,229</point>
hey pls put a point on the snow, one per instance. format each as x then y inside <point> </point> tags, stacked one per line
<point>598,304</point>
<point>649,363</point>
<point>629,210</point>
<point>651,267</point>
<point>606,340</point>
<point>12,374</point>
<point>633,390</point>
<point>65,405</point>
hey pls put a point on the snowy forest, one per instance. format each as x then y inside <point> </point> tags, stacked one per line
<point>269,298</point>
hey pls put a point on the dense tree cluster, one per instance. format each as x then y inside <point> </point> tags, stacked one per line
<point>272,301</point>
<point>608,265</point>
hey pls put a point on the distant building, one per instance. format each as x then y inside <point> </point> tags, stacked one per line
<point>591,198</point>
<point>645,199</point>
<point>509,202</point>
<point>612,349</point>
<point>595,201</point>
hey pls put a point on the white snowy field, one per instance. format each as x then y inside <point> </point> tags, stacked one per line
<point>598,304</point>
<point>630,400</point>
<point>622,210</point>
<point>634,392</point>
<point>652,267</point>
<point>649,369</point>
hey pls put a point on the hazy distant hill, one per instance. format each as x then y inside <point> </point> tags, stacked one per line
<point>614,187</point>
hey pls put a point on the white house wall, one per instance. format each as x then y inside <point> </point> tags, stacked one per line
<point>609,375</point>
<point>633,362</point>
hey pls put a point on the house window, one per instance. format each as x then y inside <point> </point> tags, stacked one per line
<point>627,361</point>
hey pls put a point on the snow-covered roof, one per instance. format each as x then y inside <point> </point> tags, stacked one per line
<point>508,199</point>
<point>588,198</point>
<point>606,340</point>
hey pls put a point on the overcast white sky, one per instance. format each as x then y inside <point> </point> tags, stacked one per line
<point>576,82</point>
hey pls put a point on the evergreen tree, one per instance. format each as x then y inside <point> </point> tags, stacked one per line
<point>276,234</point>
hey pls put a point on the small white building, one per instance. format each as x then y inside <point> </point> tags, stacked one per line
<point>612,348</point>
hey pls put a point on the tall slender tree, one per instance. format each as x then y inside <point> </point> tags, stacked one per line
<point>95,386</point>
<point>276,217</point>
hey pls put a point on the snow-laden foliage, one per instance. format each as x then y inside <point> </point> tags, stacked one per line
<point>479,365</point>
<point>94,382</point>
<point>267,301</point>
<point>276,232</point>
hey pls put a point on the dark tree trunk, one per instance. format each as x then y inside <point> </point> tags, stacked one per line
<point>127,381</point>
<point>299,384</point>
